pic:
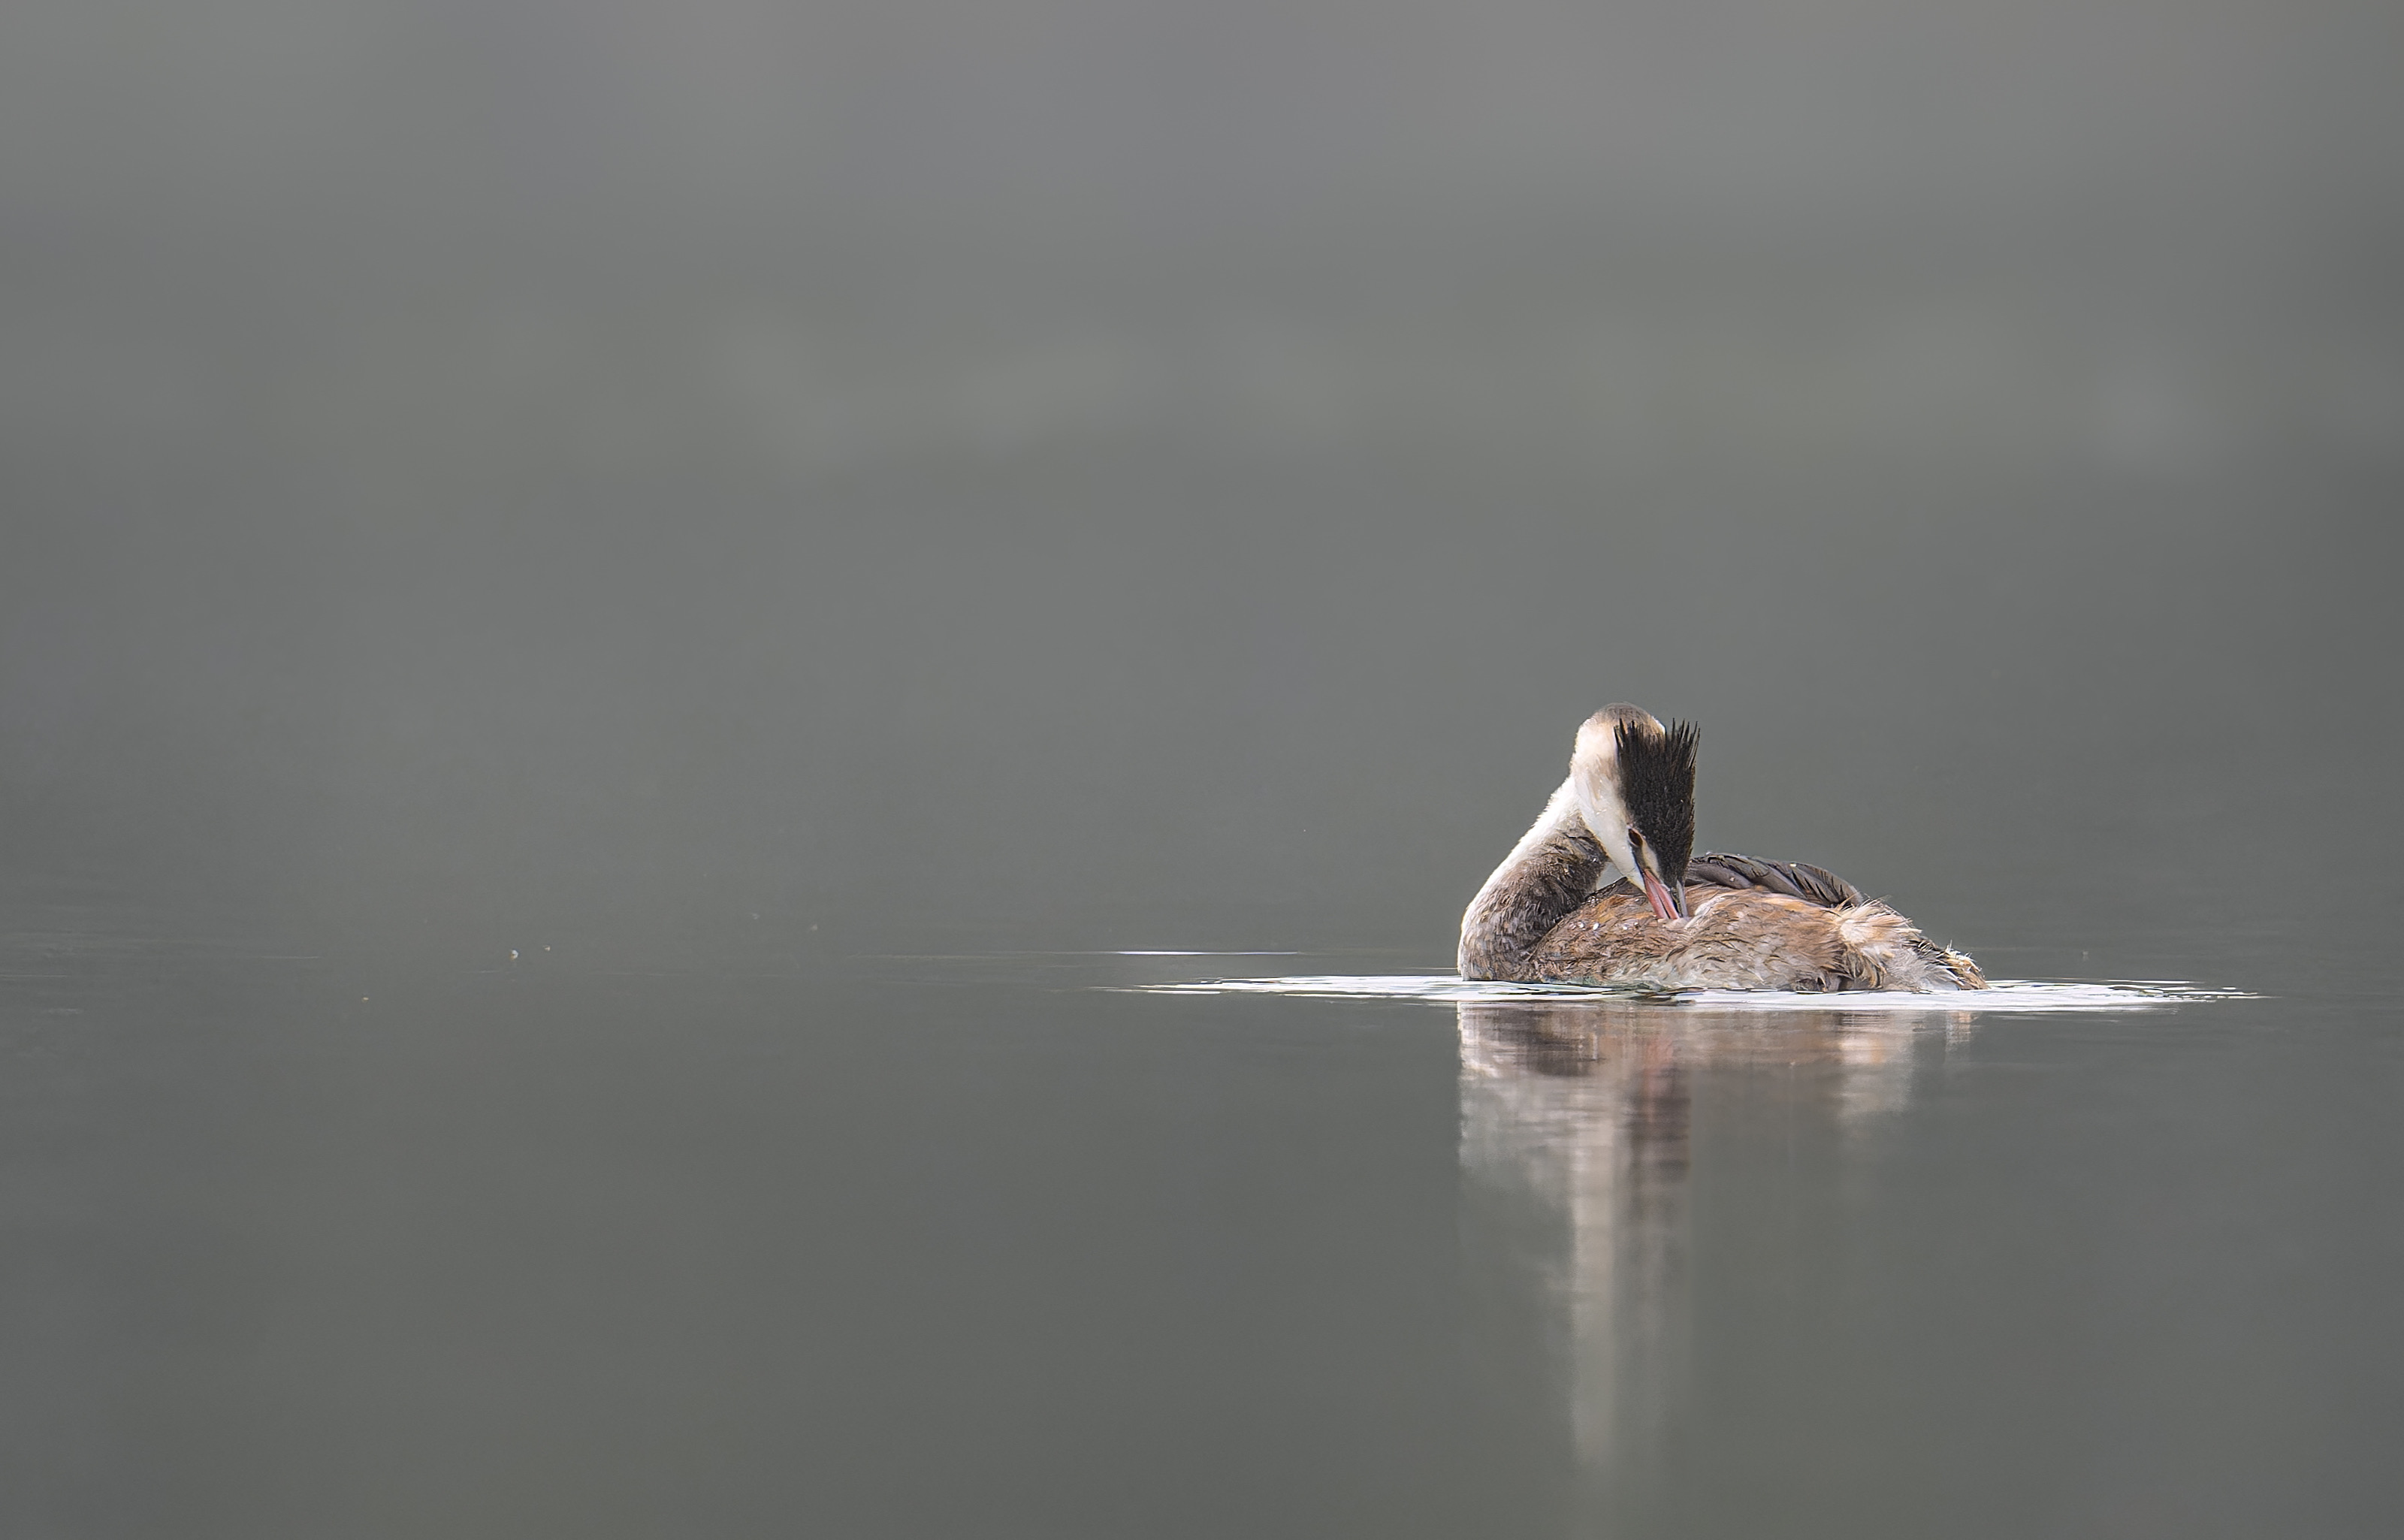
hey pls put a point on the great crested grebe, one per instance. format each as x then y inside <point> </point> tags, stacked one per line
<point>1551,912</point>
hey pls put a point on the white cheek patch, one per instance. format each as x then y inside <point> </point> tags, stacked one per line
<point>1605,815</point>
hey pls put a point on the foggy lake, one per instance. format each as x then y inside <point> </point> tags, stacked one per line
<point>657,665</point>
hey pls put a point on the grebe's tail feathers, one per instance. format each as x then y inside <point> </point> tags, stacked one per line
<point>1883,950</point>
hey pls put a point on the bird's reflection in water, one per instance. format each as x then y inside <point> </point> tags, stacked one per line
<point>1577,1133</point>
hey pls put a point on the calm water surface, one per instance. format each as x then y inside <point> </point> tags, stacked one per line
<point>920,1245</point>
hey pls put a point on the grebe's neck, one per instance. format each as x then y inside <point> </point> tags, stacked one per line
<point>1555,867</point>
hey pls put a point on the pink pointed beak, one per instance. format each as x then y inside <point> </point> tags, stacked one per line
<point>1665,904</point>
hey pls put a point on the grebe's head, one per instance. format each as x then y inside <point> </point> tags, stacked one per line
<point>1635,784</point>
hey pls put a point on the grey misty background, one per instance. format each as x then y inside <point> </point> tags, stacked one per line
<point>655,479</point>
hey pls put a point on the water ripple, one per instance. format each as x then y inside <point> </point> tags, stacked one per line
<point>2005,996</point>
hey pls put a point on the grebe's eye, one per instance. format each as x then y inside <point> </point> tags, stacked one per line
<point>1635,836</point>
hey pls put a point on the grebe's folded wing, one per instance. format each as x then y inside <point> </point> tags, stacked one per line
<point>1812,884</point>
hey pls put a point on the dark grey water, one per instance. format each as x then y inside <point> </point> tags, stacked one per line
<point>627,640</point>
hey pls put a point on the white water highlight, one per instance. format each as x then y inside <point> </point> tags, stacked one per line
<point>2001,997</point>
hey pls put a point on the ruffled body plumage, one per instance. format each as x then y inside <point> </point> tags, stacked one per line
<point>1743,938</point>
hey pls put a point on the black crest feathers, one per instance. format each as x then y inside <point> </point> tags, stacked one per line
<point>1657,780</point>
